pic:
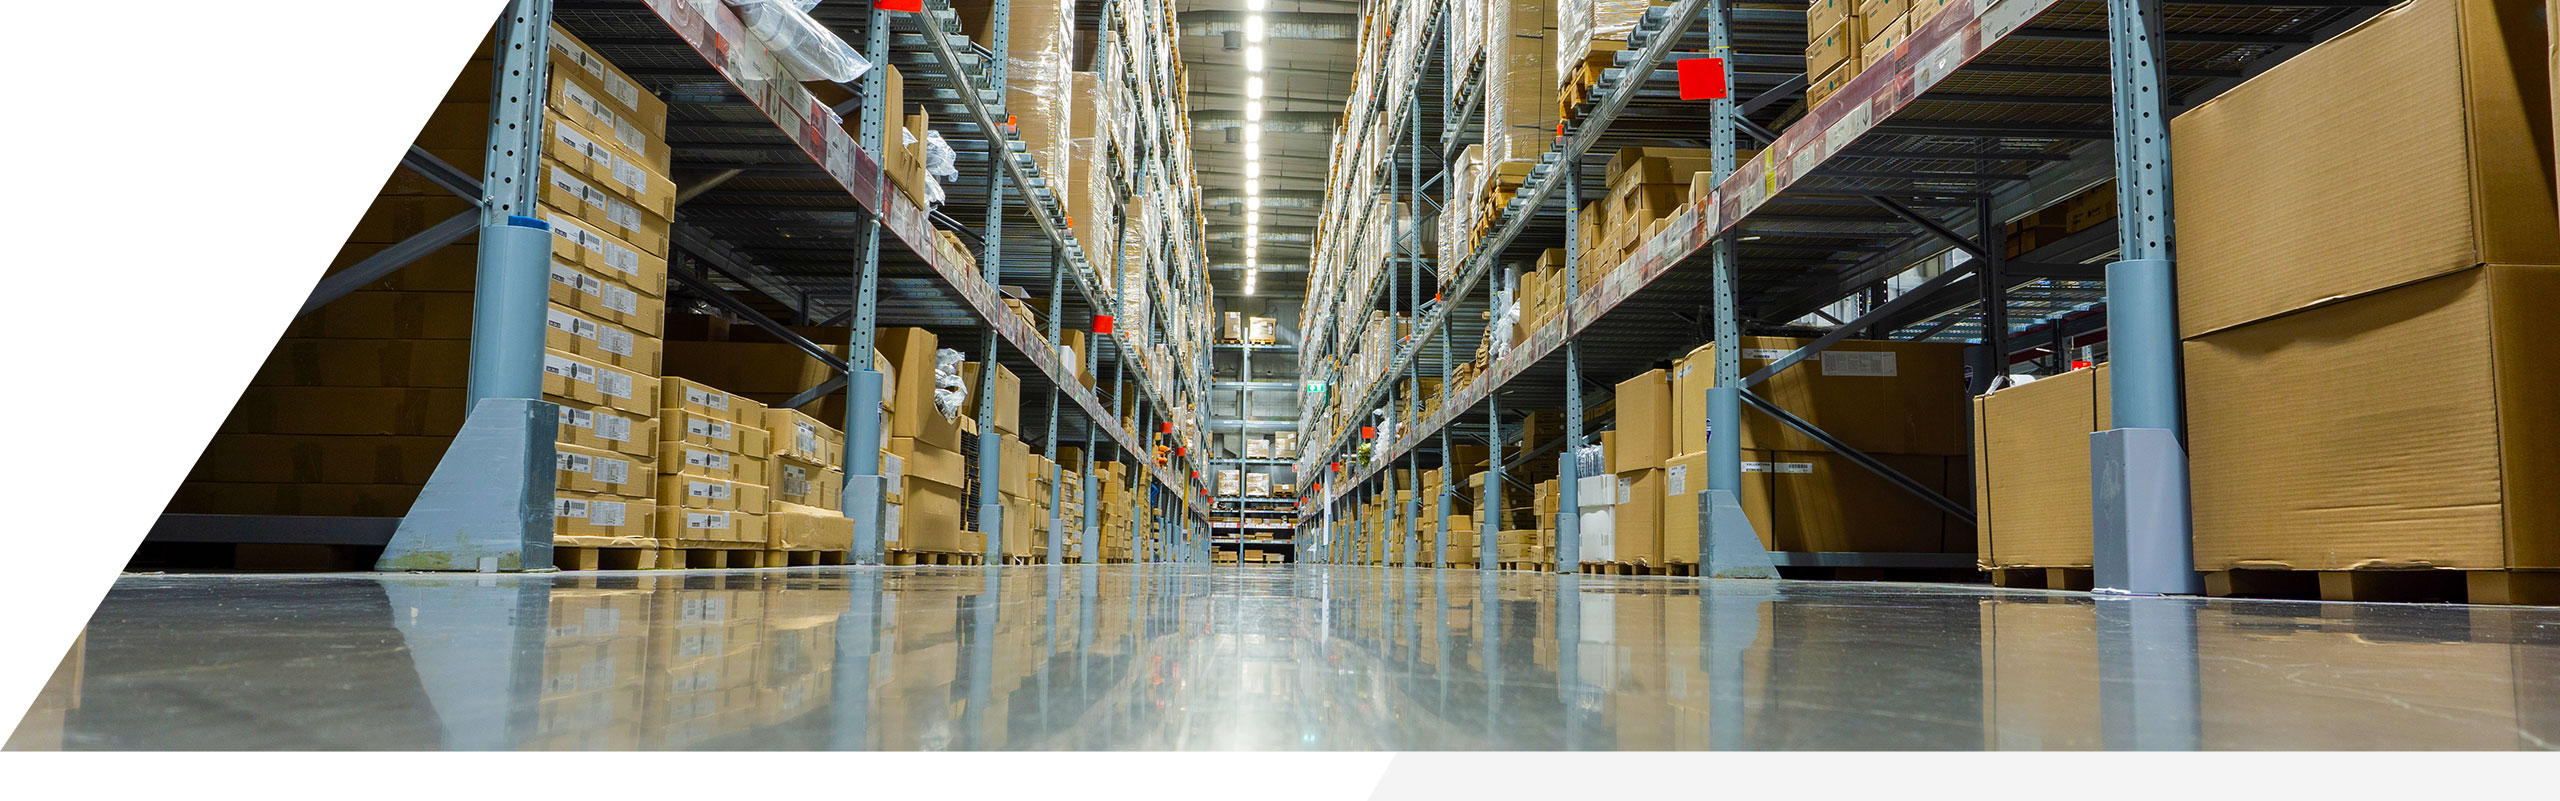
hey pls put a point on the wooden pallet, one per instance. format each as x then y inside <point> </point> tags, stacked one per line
<point>1533,567</point>
<point>1928,575</point>
<point>2527,587</point>
<point>1579,82</point>
<point>1636,568</point>
<point>899,557</point>
<point>2042,578</point>
<point>687,556</point>
<point>807,558</point>
<point>705,555</point>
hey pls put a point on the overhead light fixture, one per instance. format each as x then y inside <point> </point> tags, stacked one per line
<point>1253,5</point>
<point>1252,203</point>
<point>1253,132</point>
<point>1253,58</point>
<point>1253,169</point>
<point>1253,87</point>
<point>1252,150</point>
<point>1252,187</point>
<point>1252,218</point>
<point>1252,231</point>
<point>1253,110</point>
<point>1253,28</point>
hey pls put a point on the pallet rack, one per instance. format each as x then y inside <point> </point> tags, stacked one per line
<point>792,219</point>
<point>1988,111</point>
<point>1253,514</point>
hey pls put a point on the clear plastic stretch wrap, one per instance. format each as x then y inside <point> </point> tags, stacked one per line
<point>1519,89</point>
<point>1040,44</point>
<point>805,48</point>
<point>1088,195</point>
<point>1588,26</point>
<point>1466,32</point>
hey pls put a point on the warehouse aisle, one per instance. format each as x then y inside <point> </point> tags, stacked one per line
<point>1274,657</point>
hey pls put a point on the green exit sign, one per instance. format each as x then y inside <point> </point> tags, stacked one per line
<point>1315,386</point>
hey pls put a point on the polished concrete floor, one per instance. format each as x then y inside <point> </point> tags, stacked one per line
<point>1272,657</point>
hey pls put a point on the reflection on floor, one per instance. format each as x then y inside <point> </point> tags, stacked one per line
<point>1272,657</point>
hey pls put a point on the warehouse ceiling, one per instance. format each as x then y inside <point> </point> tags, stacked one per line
<point>1307,50</point>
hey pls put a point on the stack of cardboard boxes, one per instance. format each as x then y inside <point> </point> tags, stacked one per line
<point>1901,402</point>
<point>1647,185</point>
<point>715,468</point>
<point>2304,284</point>
<point>808,484</point>
<point>1519,90</point>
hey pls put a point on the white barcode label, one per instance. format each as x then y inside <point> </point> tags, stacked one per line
<point>616,341</point>
<point>605,513</point>
<point>1771,354</point>
<point>622,214</point>
<point>715,490</point>
<point>576,463</point>
<point>561,320</point>
<point>889,524</point>
<point>706,520</point>
<point>807,441</point>
<point>706,459</point>
<point>1676,482</point>
<point>620,299</point>
<point>579,143</point>
<point>565,368</point>
<point>578,96</point>
<point>613,384</point>
<point>628,173</point>
<point>613,471</point>
<point>1777,467</point>
<point>705,427</point>
<point>1626,490</point>
<point>706,398</point>
<point>1875,363</point>
<point>630,136</point>
<point>614,428</point>
<point>575,55</point>
<point>622,90</point>
<point>572,508</point>
<point>621,258</point>
<point>564,228</point>
<point>795,480</point>
<point>577,418</point>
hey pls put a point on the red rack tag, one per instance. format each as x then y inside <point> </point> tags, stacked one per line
<point>902,5</point>
<point>1701,78</point>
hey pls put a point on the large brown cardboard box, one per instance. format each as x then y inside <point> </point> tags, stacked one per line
<point>1683,477</point>
<point>2031,470</point>
<point>1638,519</point>
<point>1820,501</point>
<point>1008,397</point>
<point>2415,145</point>
<point>1644,422</point>
<point>2412,427</point>
<point>1878,396</point>
<point>910,355</point>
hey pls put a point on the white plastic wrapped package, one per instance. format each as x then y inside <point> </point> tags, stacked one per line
<point>806,48</point>
<point>940,164</point>
<point>948,389</point>
<point>1039,62</point>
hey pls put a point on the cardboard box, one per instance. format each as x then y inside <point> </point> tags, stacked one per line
<point>687,395</point>
<point>2301,458</point>
<point>1881,39</point>
<point>583,245</point>
<point>1637,520</point>
<point>678,425</point>
<point>924,461</point>
<point>601,520</point>
<point>1924,10</point>
<point>602,342</point>
<point>1832,47</point>
<point>1262,330</point>
<point>1008,401</point>
<point>678,458</point>
<point>1016,455</point>
<point>930,519</point>
<point>1683,477</point>
<point>2031,470</point>
<point>808,485</point>
<point>606,428</point>
<point>1873,10</point>
<point>588,293</point>
<point>798,436</point>
<point>700,492</point>
<point>1820,501</point>
<point>1830,82</point>
<point>575,378</point>
<point>1822,15</point>
<point>2412,146</point>
<point>1878,396</point>
<point>599,471</point>
<point>679,524</point>
<point>909,352</point>
<point>793,527</point>
<point>1645,430</point>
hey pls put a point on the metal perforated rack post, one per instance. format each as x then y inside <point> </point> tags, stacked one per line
<point>1987,111</point>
